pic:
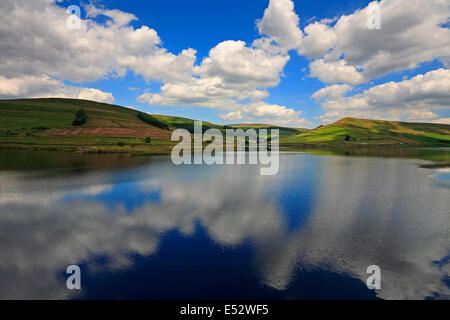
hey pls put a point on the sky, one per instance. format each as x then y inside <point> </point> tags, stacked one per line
<point>298,63</point>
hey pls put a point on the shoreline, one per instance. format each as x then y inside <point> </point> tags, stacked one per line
<point>166,149</point>
<point>129,150</point>
<point>405,151</point>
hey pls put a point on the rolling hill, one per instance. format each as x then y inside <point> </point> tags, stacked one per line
<point>362,132</point>
<point>49,124</point>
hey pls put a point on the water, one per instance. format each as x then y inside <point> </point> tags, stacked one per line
<point>142,228</point>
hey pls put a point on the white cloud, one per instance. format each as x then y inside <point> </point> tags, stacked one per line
<point>118,17</point>
<point>442,121</point>
<point>268,45</point>
<point>232,116</point>
<point>36,41</point>
<point>413,100</point>
<point>411,33</point>
<point>238,64</point>
<point>349,52</point>
<point>318,40</point>
<point>232,74</point>
<point>263,112</point>
<point>95,95</point>
<point>39,52</point>
<point>335,72</point>
<point>162,65</point>
<point>46,87</point>
<point>332,92</point>
<point>280,23</point>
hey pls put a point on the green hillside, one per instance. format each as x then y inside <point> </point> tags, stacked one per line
<point>188,124</point>
<point>48,124</point>
<point>361,132</point>
<point>87,126</point>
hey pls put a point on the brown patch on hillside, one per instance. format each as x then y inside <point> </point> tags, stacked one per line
<point>111,132</point>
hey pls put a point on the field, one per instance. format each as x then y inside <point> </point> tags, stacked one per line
<point>360,132</point>
<point>48,124</point>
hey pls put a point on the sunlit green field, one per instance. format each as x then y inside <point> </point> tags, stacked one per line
<point>351,131</point>
<point>48,124</point>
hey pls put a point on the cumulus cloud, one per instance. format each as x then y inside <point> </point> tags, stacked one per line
<point>231,71</point>
<point>442,121</point>
<point>117,17</point>
<point>37,41</point>
<point>332,92</point>
<point>335,72</point>
<point>348,52</point>
<point>234,62</point>
<point>95,95</point>
<point>38,51</point>
<point>267,113</point>
<point>38,54</point>
<point>37,46</point>
<point>411,32</point>
<point>163,65</point>
<point>280,23</point>
<point>234,77</point>
<point>413,99</point>
<point>318,40</point>
<point>46,87</point>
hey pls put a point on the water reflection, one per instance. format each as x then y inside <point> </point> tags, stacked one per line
<point>442,177</point>
<point>320,222</point>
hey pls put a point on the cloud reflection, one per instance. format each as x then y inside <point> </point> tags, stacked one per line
<point>365,211</point>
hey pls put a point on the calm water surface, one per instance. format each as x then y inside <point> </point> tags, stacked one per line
<point>143,228</point>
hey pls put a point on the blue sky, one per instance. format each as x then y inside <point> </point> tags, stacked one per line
<point>410,51</point>
<point>202,24</point>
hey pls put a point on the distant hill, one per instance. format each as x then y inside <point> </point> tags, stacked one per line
<point>53,124</point>
<point>49,124</point>
<point>361,132</point>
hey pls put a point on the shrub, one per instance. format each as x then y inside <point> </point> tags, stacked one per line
<point>148,140</point>
<point>189,126</point>
<point>152,121</point>
<point>41,128</point>
<point>121,144</point>
<point>80,118</point>
<point>347,138</point>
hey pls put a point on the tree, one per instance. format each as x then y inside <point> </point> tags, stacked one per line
<point>148,140</point>
<point>152,121</point>
<point>80,118</point>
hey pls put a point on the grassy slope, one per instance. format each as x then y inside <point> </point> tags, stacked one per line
<point>358,132</point>
<point>47,124</point>
<point>107,125</point>
<point>178,122</point>
<point>283,131</point>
